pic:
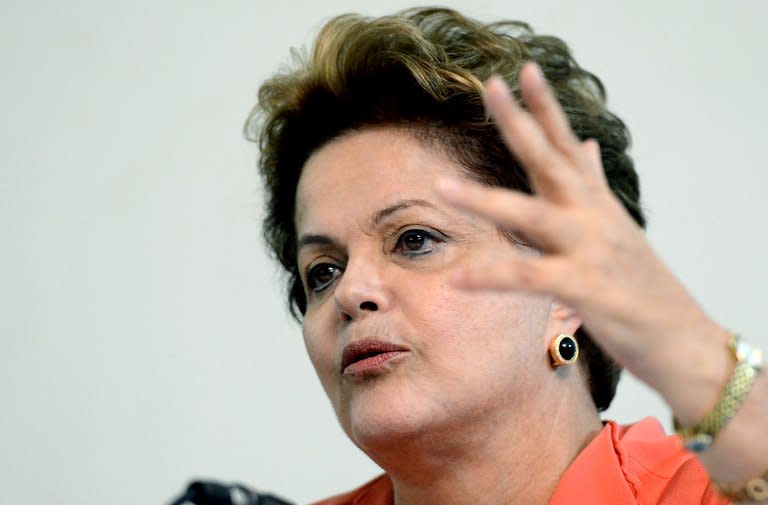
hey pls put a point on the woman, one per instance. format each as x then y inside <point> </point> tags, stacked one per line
<point>469,286</point>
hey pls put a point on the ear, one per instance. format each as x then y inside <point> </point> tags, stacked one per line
<point>562,319</point>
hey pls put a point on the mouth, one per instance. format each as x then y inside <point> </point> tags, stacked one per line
<point>366,356</point>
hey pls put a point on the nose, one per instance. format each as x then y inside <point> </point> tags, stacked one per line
<point>361,290</point>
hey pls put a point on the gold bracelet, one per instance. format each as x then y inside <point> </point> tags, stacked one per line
<point>755,490</point>
<point>749,360</point>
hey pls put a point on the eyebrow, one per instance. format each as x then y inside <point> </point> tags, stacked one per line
<point>384,213</point>
<point>376,219</point>
<point>310,239</point>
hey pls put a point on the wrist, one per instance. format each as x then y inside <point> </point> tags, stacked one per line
<point>694,368</point>
<point>747,361</point>
<point>739,453</point>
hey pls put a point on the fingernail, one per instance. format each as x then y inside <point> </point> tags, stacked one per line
<point>498,82</point>
<point>457,278</point>
<point>448,187</point>
<point>536,70</point>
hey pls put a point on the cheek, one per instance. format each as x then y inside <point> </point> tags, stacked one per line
<point>478,323</point>
<point>320,347</point>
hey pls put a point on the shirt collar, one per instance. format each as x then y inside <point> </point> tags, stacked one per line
<point>596,476</point>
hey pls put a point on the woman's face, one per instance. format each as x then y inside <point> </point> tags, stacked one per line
<point>397,348</point>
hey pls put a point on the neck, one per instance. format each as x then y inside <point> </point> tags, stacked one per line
<point>506,458</point>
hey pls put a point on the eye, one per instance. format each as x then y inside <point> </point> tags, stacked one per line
<point>321,276</point>
<point>416,242</point>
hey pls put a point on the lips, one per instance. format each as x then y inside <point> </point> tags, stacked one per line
<point>367,355</point>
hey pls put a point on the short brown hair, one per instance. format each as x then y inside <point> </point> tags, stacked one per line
<point>423,69</point>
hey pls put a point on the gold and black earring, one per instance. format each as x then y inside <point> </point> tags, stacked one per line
<point>564,350</point>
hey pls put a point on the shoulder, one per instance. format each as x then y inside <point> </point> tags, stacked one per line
<point>376,492</point>
<point>659,469</point>
<point>639,463</point>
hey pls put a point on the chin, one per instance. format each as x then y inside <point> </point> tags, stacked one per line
<point>380,416</point>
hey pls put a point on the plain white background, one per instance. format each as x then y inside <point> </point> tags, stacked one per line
<point>143,334</point>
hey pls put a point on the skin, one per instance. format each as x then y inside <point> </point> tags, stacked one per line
<point>473,408</point>
<point>596,260</point>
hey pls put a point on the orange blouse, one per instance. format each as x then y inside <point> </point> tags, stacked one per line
<point>624,465</point>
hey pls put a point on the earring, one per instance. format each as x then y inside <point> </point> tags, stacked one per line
<point>564,350</point>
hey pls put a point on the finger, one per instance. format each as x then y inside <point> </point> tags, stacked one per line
<point>591,149</point>
<point>543,105</point>
<point>527,141</point>
<point>544,225</point>
<point>534,274</point>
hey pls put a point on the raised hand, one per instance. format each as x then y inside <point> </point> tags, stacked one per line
<point>594,257</point>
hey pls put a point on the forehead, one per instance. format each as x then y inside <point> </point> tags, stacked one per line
<point>362,171</point>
